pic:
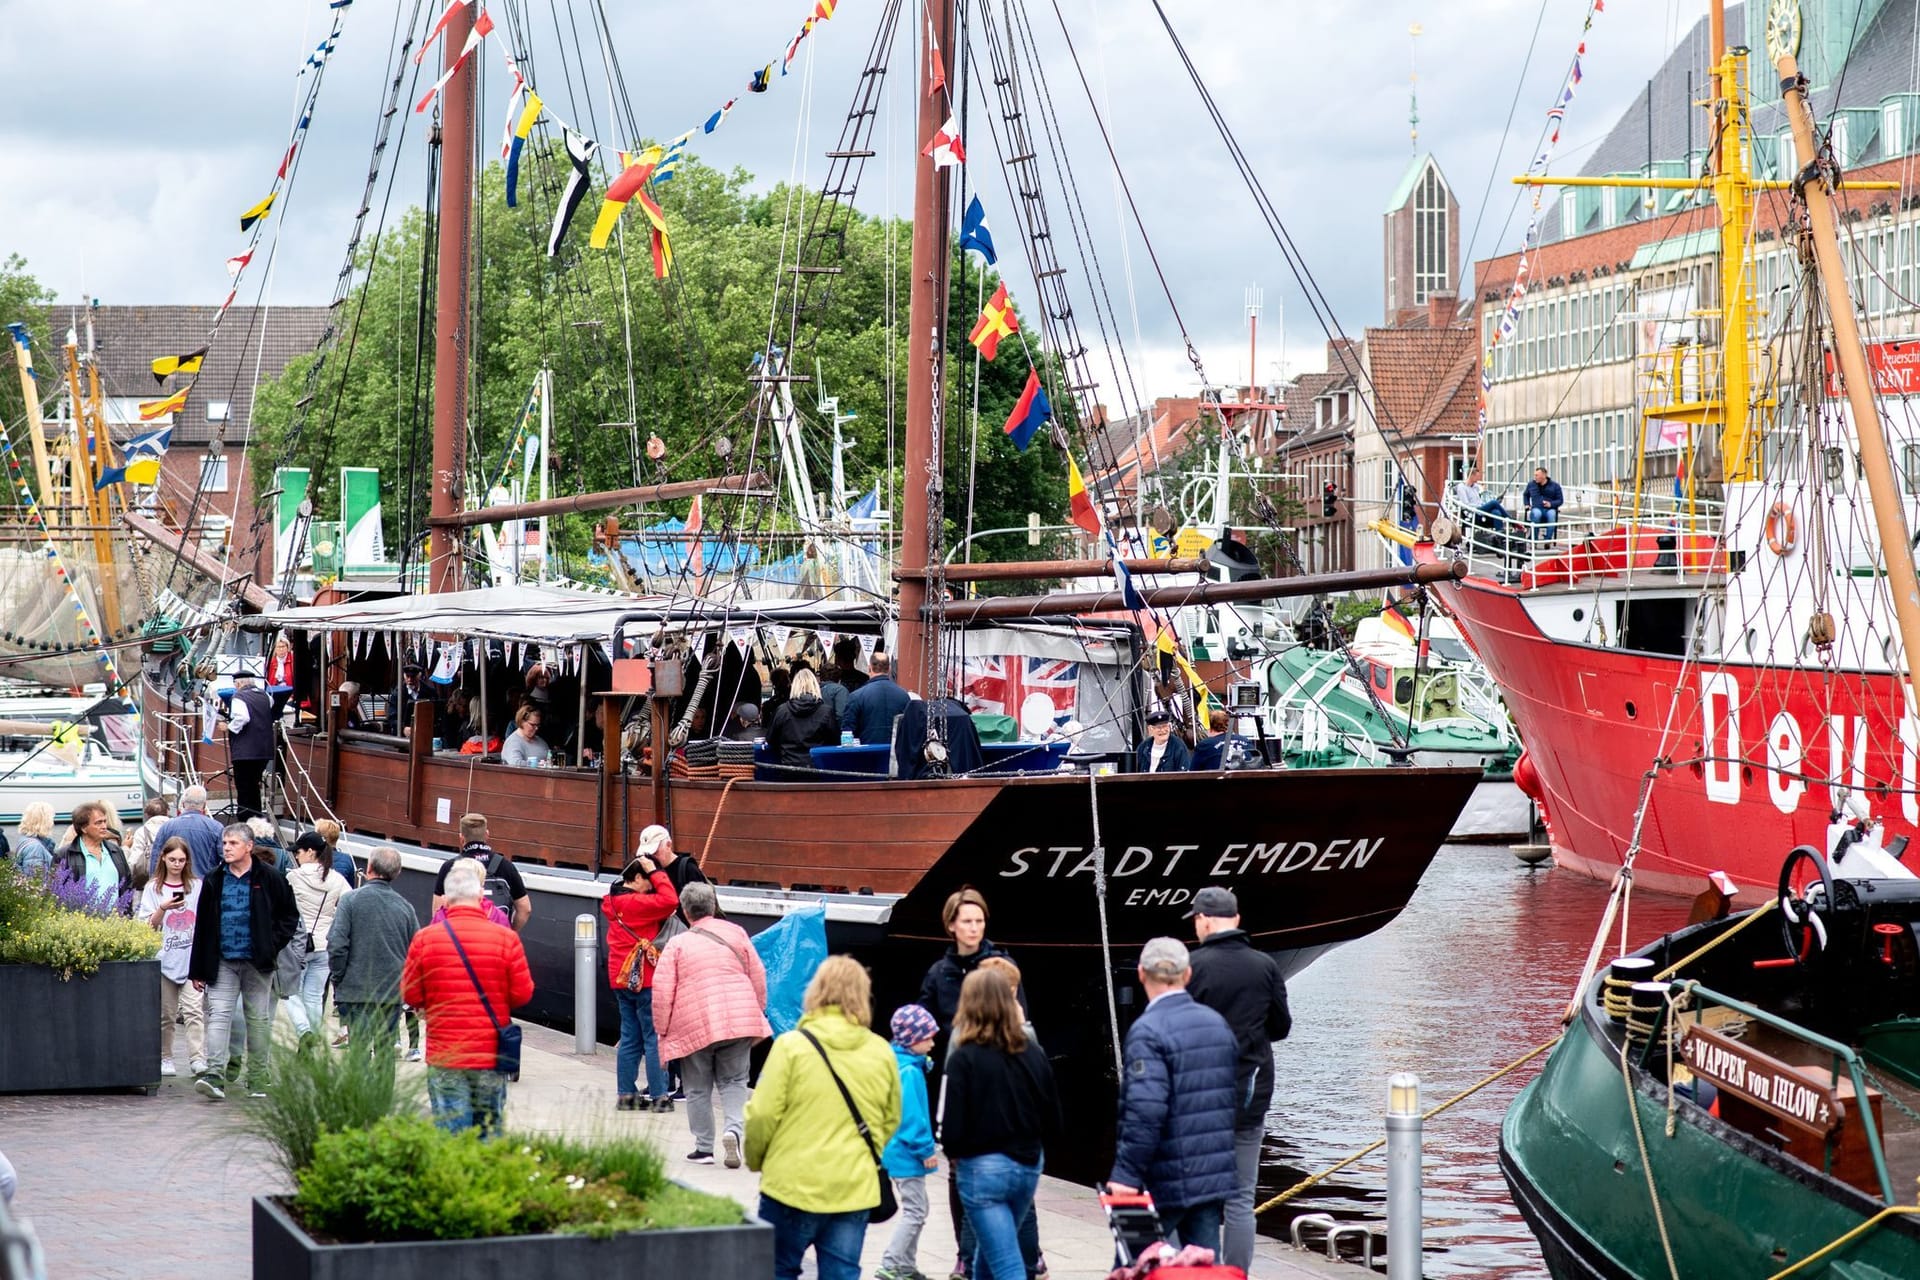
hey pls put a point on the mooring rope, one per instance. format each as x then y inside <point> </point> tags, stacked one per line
<point>1106,938</point>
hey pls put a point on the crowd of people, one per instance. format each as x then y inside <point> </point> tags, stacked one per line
<point>840,1119</point>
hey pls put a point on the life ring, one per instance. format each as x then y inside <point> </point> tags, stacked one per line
<point>1783,532</point>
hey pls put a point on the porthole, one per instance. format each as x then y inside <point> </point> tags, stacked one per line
<point>1633,712</point>
<point>1579,615</point>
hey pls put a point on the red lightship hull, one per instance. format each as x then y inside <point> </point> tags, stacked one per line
<point>1752,756</point>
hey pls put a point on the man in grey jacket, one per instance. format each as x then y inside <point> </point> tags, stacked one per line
<point>367,948</point>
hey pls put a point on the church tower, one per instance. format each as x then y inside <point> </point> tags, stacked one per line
<point>1422,240</point>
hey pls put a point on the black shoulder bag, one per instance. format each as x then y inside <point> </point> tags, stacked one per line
<point>888,1206</point>
<point>506,1052</point>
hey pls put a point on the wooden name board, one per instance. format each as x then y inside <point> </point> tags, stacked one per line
<point>1765,1081</point>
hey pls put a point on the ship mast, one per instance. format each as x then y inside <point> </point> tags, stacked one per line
<point>916,647</point>
<point>450,334</point>
<point>1889,509</point>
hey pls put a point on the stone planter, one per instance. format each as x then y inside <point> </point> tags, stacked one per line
<point>282,1250</point>
<point>101,1032</point>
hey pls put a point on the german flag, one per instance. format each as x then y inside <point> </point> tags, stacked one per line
<point>166,366</point>
<point>151,409</point>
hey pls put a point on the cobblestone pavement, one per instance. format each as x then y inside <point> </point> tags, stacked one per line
<point>131,1187</point>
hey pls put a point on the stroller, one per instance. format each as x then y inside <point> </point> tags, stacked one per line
<point>1142,1248</point>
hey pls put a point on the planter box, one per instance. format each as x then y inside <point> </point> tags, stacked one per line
<point>282,1250</point>
<point>101,1032</point>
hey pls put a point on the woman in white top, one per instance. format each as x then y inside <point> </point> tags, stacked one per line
<point>524,746</point>
<point>317,890</point>
<point>170,903</point>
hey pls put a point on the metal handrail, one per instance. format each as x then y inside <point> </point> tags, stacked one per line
<point>1510,544</point>
<point>1840,1052</point>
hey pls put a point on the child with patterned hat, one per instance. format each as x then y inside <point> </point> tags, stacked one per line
<point>910,1154</point>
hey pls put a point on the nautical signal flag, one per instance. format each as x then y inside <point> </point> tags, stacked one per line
<point>996,321</point>
<point>238,262</point>
<point>580,151</point>
<point>1165,643</point>
<point>482,28</point>
<point>522,130</point>
<point>1123,578</point>
<point>142,460</point>
<point>945,145</point>
<point>258,212</point>
<point>761,79</point>
<point>1030,412</point>
<point>670,163</point>
<point>936,65</point>
<point>974,234</point>
<point>166,366</point>
<point>438,27</point>
<point>151,409</point>
<point>714,120</point>
<point>1080,508</point>
<point>823,9</point>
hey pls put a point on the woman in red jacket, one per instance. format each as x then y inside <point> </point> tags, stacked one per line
<point>636,908</point>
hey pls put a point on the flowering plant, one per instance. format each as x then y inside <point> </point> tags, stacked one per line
<point>51,921</point>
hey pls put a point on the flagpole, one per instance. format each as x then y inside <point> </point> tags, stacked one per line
<point>973,453</point>
<point>445,572</point>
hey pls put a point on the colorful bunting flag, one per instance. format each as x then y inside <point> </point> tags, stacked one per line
<point>622,189</point>
<point>715,120</point>
<point>945,146</point>
<point>1080,508</point>
<point>1030,412</point>
<point>482,28</point>
<point>670,163</point>
<point>823,9</point>
<point>258,212</point>
<point>151,409</point>
<point>579,154</point>
<point>522,129</point>
<point>662,251</point>
<point>238,262</point>
<point>140,460</point>
<point>996,321</point>
<point>974,234</point>
<point>936,65</point>
<point>438,27</point>
<point>514,97</point>
<point>1123,578</point>
<point>762,79</point>
<point>166,366</point>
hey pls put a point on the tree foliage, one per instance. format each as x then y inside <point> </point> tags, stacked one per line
<point>693,337</point>
<point>23,300</point>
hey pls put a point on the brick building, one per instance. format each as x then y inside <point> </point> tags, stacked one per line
<point>1420,241</point>
<point>1317,451</point>
<point>208,475</point>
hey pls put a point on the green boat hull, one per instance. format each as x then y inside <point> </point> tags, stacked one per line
<point>1733,1206</point>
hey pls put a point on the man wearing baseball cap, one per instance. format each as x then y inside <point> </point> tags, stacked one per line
<point>656,842</point>
<point>1244,985</point>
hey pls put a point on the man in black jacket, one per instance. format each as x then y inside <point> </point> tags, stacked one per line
<point>1246,987</point>
<point>249,742</point>
<point>246,916</point>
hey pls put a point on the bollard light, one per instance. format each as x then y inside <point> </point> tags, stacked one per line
<point>1403,1094</point>
<point>1405,1224</point>
<point>586,983</point>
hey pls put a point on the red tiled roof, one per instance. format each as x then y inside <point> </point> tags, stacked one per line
<point>1417,375</point>
<point>1174,419</point>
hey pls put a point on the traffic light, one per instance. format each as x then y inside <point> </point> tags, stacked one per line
<point>1409,512</point>
<point>1329,496</point>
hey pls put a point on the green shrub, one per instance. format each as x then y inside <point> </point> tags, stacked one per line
<point>75,943</point>
<point>404,1179</point>
<point>317,1091</point>
<point>22,899</point>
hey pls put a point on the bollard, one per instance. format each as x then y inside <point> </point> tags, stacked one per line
<point>586,983</point>
<point>1404,1225</point>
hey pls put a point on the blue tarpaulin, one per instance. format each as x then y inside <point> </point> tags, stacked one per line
<point>791,949</point>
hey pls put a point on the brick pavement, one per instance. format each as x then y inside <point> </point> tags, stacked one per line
<point>90,1164</point>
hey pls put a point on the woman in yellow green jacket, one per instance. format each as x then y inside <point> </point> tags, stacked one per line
<point>818,1179</point>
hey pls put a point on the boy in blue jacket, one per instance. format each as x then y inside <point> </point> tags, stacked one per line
<point>910,1153</point>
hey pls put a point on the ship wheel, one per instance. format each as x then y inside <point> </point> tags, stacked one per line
<point>1802,922</point>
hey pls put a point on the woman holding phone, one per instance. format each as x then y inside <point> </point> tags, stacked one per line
<point>170,903</point>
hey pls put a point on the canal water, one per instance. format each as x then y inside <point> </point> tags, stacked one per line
<point>1473,974</point>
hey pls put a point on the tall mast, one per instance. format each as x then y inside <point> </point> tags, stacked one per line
<point>1889,509</point>
<point>1733,193</point>
<point>450,312</point>
<point>926,354</point>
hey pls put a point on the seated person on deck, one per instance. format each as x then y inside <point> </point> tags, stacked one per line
<point>524,745</point>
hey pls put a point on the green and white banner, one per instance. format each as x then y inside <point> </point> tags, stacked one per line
<point>363,547</point>
<point>293,484</point>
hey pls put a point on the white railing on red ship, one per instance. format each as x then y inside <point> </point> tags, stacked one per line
<point>1665,533</point>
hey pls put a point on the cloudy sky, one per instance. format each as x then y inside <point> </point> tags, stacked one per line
<point>154,126</point>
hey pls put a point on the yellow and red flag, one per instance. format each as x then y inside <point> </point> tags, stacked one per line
<point>151,409</point>
<point>622,189</point>
<point>996,321</point>
<point>1079,502</point>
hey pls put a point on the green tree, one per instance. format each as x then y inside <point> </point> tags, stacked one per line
<point>23,300</point>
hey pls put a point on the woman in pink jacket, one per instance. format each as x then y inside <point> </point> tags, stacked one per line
<point>709,1006</point>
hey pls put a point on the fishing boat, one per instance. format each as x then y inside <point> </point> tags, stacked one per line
<point>1743,1097</point>
<point>1723,657</point>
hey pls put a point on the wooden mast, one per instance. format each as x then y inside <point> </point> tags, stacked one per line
<point>36,427</point>
<point>450,332</point>
<point>1889,509</point>
<point>916,649</point>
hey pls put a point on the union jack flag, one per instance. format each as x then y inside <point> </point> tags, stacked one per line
<point>998,684</point>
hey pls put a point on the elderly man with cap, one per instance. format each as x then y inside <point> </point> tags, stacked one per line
<point>656,842</point>
<point>745,725</point>
<point>1163,751</point>
<point>1177,1103</point>
<point>1245,986</point>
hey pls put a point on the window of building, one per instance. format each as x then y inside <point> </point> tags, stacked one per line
<point>213,474</point>
<point>1432,268</point>
<point>219,410</point>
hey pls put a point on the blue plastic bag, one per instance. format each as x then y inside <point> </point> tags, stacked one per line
<point>791,949</point>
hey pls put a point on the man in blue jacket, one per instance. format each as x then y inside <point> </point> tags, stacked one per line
<point>1543,499</point>
<point>871,709</point>
<point>1162,750</point>
<point>1177,1103</point>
